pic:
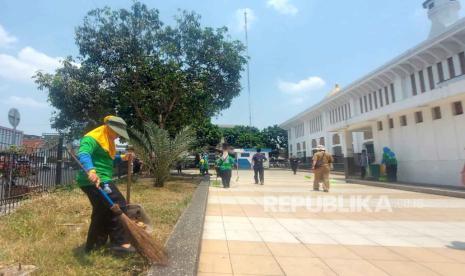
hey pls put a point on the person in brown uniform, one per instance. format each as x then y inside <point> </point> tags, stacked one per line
<point>322,162</point>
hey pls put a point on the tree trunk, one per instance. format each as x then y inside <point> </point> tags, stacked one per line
<point>159,183</point>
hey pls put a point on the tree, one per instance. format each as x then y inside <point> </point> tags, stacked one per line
<point>275,138</point>
<point>208,135</point>
<point>272,137</point>
<point>133,65</point>
<point>243,137</point>
<point>158,150</point>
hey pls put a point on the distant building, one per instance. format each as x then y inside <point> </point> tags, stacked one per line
<point>33,142</point>
<point>227,126</point>
<point>51,138</point>
<point>414,104</point>
<point>244,157</point>
<point>6,137</point>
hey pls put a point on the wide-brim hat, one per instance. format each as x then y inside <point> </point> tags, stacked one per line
<point>321,147</point>
<point>119,126</point>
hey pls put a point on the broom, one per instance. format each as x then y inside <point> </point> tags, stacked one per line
<point>140,239</point>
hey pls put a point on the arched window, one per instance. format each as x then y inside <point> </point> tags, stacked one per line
<point>322,141</point>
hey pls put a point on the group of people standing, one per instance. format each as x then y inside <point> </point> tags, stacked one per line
<point>322,164</point>
<point>226,162</point>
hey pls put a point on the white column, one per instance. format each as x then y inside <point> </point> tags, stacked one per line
<point>347,143</point>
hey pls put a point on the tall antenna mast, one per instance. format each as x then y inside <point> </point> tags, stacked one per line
<point>248,68</point>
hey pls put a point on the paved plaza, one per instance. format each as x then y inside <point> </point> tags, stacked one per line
<point>286,228</point>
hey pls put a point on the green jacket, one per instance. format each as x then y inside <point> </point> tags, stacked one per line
<point>102,161</point>
<point>225,165</point>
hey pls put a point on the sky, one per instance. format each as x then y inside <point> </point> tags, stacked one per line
<point>299,49</point>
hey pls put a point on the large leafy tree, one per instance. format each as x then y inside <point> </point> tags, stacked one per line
<point>275,138</point>
<point>272,137</point>
<point>133,65</point>
<point>208,135</point>
<point>243,137</point>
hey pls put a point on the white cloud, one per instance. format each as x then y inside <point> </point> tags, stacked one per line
<point>26,64</point>
<point>283,6</point>
<point>5,38</point>
<point>24,102</point>
<point>306,85</point>
<point>239,24</point>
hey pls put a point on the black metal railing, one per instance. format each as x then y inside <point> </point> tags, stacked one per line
<point>26,171</point>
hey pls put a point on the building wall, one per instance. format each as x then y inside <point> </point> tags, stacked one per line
<point>6,137</point>
<point>429,152</point>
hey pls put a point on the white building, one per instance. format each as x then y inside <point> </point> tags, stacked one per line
<point>413,105</point>
<point>6,137</point>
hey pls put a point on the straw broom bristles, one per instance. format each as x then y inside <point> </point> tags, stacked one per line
<point>141,240</point>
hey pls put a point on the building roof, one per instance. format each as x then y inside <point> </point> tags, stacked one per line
<point>10,129</point>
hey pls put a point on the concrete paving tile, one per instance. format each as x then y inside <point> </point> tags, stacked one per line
<point>232,212</point>
<point>376,253</point>
<point>446,269</point>
<point>238,226</point>
<point>298,266</point>
<point>346,267</point>
<point>289,250</point>
<point>259,265</point>
<point>399,268</point>
<point>243,235</point>
<point>388,240</point>
<point>213,226</point>
<point>213,212</point>
<point>214,235</point>
<point>426,241</point>
<point>273,236</point>
<point>232,219</point>
<point>311,238</point>
<point>420,254</point>
<point>298,225</point>
<point>351,239</point>
<point>332,251</point>
<point>214,246</point>
<point>214,263</point>
<point>457,255</point>
<point>213,219</point>
<point>248,248</point>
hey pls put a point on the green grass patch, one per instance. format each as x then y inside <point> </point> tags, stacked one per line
<point>50,231</point>
<point>216,183</point>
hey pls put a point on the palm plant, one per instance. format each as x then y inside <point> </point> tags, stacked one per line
<point>158,150</point>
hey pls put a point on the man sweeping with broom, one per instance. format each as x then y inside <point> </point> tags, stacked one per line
<point>97,153</point>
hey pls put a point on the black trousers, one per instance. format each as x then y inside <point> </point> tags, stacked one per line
<point>294,169</point>
<point>363,171</point>
<point>259,172</point>
<point>103,222</point>
<point>226,178</point>
<point>391,171</point>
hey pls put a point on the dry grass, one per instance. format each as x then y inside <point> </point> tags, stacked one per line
<point>50,231</point>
